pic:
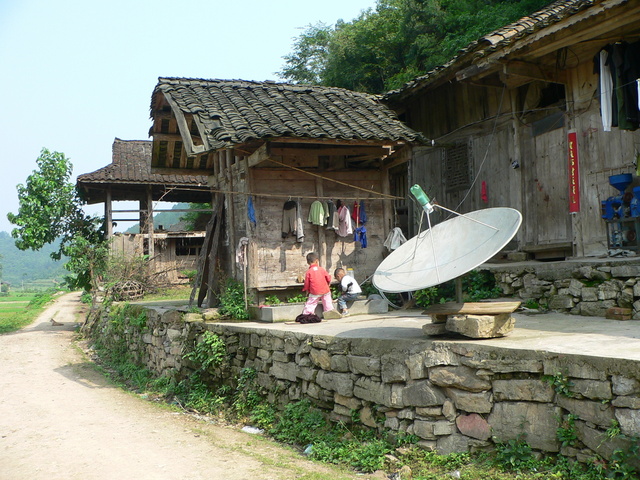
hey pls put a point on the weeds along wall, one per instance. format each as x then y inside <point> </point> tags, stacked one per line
<point>455,396</point>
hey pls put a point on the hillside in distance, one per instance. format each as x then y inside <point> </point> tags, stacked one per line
<point>28,266</point>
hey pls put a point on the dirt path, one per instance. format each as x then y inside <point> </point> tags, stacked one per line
<point>60,419</point>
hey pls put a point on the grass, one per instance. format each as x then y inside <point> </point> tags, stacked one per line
<point>19,310</point>
<point>181,292</point>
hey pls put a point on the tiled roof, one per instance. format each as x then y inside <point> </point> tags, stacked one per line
<point>131,164</point>
<point>234,112</point>
<point>501,38</point>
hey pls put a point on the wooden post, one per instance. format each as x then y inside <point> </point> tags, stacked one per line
<point>459,289</point>
<point>108,215</point>
<point>322,251</point>
<point>387,212</point>
<point>213,254</point>
<point>231,218</point>
<point>202,280</point>
<point>150,221</point>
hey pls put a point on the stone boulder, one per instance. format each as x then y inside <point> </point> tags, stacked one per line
<point>481,326</point>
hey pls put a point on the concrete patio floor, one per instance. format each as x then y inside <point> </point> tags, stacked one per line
<point>547,332</point>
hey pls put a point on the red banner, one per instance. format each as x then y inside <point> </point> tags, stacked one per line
<point>574,173</point>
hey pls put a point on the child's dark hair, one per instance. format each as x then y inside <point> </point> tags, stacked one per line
<point>338,270</point>
<point>312,257</point>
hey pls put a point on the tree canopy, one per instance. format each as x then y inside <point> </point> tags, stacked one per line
<point>50,210</point>
<point>397,41</point>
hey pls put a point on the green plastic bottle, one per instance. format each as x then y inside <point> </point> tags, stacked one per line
<point>422,198</point>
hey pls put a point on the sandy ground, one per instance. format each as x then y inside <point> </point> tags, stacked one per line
<point>60,419</point>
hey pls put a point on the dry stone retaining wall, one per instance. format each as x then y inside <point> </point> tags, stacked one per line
<point>454,395</point>
<point>576,288</point>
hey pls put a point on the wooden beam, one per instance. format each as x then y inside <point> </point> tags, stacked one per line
<point>259,156</point>
<point>478,308</point>
<point>335,141</point>
<point>169,137</point>
<point>530,71</point>
<point>181,171</point>
<point>183,126</point>
<point>472,72</point>
<point>350,150</point>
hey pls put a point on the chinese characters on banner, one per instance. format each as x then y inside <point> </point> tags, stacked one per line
<point>574,173</point>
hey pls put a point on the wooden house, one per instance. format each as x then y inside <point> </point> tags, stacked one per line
<point>264,145</point>
<point>515,120</point>
<point>129,177</point>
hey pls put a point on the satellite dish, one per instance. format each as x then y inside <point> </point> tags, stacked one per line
<point>447,250</point>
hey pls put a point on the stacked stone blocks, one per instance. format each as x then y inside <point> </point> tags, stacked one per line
<point>454,396</point>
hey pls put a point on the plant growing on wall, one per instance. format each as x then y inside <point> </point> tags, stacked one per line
<point>208,352</point>
<point>232,300</point>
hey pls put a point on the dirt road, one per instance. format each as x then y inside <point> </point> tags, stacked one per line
<point>60,419</point>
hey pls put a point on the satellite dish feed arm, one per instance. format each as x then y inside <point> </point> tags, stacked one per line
<point>465,216</point>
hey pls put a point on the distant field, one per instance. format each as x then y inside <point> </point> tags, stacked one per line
<point>17,297</point>
<point>14,313</point>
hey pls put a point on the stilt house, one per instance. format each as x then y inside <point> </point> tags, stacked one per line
<point>129,178</point>
<point>519,119</point>
<point>266,147</point>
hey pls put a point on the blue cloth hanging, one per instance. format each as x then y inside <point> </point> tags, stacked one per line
<point>360,235</point>
<point>362,214</point>
<point>251,211</point>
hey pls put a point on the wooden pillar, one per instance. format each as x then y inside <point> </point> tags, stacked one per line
<point>322,241</point>
<point>150,221</point>
<point>387,210</point>
<point>108,215</point>
<point>231,218</point>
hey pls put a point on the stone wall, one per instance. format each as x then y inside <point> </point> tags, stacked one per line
<point>454,395</point>
<point>585,288</point>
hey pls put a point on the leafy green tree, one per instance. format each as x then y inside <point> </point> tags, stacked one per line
<point>50,209</point>
<point>399,40</point>
<point>192,219</point>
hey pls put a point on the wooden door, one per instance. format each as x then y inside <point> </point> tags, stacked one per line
<point>546,202</point>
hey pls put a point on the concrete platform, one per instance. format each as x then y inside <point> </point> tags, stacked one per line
<point>549,332</point>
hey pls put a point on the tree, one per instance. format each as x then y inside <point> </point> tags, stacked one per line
<point>399,40</point>
<point>50,208</point>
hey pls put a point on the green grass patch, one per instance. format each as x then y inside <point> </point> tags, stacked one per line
<point>181,292</point>
<point>19,310</point>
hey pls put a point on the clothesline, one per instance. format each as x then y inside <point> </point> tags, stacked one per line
<point>382,196</point>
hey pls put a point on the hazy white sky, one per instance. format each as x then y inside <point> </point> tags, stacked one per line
<point>76,74</point>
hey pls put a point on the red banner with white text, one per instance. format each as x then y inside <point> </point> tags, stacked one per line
<point>574,173</point>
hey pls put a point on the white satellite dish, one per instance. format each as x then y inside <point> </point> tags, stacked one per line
<point>447,250</point>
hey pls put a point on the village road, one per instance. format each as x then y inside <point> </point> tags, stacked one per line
<point>61,419</point>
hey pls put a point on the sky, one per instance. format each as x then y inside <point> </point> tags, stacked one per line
<point>74,74</point>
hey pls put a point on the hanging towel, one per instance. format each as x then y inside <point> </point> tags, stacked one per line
<point>299,228</point>
<point>483,192</point>
<point>241,258</point>
<point>251,212</point>
<point>394,239</point>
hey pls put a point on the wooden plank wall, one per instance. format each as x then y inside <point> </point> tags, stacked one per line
<point>280,262</point>
<point>539,188</point>
<point>601,154</point>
